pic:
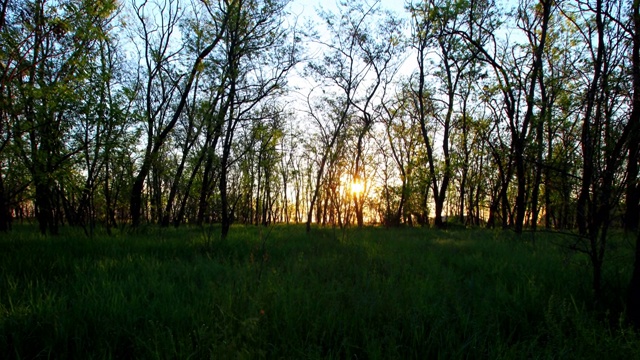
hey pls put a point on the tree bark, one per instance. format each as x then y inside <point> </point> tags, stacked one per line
<point>587,142</point>
<point>535,209</point>
<point>5,213</point>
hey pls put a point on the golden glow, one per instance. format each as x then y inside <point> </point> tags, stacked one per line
<point>357,187</point>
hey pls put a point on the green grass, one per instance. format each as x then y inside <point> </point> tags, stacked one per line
<point>280,293</point>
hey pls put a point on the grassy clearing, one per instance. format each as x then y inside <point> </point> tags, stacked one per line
<point>279,293</point>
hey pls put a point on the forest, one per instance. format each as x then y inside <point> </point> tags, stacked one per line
<point>519,115</point>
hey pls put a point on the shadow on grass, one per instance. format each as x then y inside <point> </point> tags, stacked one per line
<point>279,292</point>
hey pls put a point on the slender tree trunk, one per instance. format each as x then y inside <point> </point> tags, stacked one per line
<point>226,217</point>
<point>400,211</point>
<point>5,214</point>
<point>285,195</point>
<point>477,203</point>
<point>539,150</point>
<point>587,142</point>
<point>632,212</point>
<point>174,190</point>
<point>208,174</point>
<point>547,179</point>
<point>109,210</point>
<point>463,193</point>
<point>179,217</point>
<point>205,190</point>
<point>297,205</point>
<point>325,208</point>
<point>320,173</point>
<point>224,204</point>
<point>465,165</point>
<point>157,210</point>
<point>358,199</point>
<point>493,206</point>
<point>229,112</point>
<point>504,204</point>
<point>255,214</point>
<point>424,211</point>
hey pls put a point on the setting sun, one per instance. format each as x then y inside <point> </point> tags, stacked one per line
<point>357,187</point>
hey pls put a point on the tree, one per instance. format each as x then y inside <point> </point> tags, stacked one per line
<point>353,68</point>
<point>402,136</point>
<point>330,140</point>
<point>536,30</point>
<point>158,53</point>
<point>604,133</point>
<point>258,55</point>
<point>435,24</point>
<point>103,128</point>
<point>516,84</point>
<point>191,123</point>
<point>50,49</point>
<point>377,47</point>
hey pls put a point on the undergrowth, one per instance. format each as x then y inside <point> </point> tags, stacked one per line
<point>279,293</point>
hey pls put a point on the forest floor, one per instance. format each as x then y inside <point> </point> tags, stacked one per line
<point>277,292</point>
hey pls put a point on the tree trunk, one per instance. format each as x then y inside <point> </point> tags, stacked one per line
<point>358,198</point>
<point>587,142</point>
<point>535,210</point>
<point>109,210</point>
<point>179,217</point>
<point>547,180</point>
<point>226,217</point>
<point>224,203</point>
<point>400,211</point>
<point>284,193</point>
<point>632,212</point>
<point>228,112</point>
<point>135,201</point>
<point>439,204</point>
<point>5,213</point>
<point>174,191</point>
<point>205,191</point>
<point>316,192</point>
<point>44,210</point>
<point>504,205</point>
<point>477,204</point>
<point>463,193</point>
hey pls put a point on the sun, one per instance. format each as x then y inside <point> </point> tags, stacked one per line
<point>357,187</point>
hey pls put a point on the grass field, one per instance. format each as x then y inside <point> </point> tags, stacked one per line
<point>277,292</point>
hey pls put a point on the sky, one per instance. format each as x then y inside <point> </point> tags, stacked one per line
<point>305,10</point>
<point>305,7</point>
